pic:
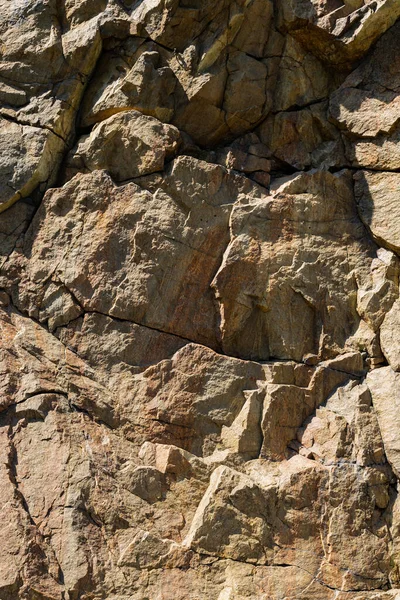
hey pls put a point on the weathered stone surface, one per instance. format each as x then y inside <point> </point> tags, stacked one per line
<point>292,396</point>
<point>45,71</point>
<point>234,503</point>
<point>385,390</point>
<point>174,462</point>
<point>345,429</point>
<point>347,28</point>
<point>376,294</point>
<point>187,223</point>
<point>244,436</point>
<point>113,346</point>
<point>13,223</point>
<point>300,79</point>
<point>34,362</point>
<point>187,399</point>
<point>126,145</point>
<point>28,156</point>
<point>366,107</point>
<point>293,279</point>
<point>213,67</point>
<point>199,320</point>
<point>131,76</point>
<point>303,138</point>
<point>390,338</point>
<point>220,521</point>
<point>377,201</point>
<point>14,524</point>
<point>248,155</point>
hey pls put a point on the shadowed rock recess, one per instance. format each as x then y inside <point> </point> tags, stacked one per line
<point>199,299</point>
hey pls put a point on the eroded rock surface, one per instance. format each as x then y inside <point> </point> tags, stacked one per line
<point>199,300</point>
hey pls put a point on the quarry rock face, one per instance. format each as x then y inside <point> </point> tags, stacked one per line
<point>199,300</point>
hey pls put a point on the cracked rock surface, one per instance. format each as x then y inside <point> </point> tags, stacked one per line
<point>199,299</point>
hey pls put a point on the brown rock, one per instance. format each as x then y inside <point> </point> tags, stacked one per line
<point>376,195</point>
<point>347,28</point>
<point>195,319</point>
<point>384,386</point>
<point>34,362</point>
<point>366,107</point>
<point>300,77</point>
<point>303,138</point>
<point>389,336</point>
<point>29,156</point>
<point>133,75</point>
<point>113,346</point>
<point>220,521</point>
<point>127,145</point>
<point>186,400</point>
<point>271,307</point>
<point>186,220</point>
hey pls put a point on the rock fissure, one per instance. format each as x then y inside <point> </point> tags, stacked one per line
<point>222,177</point>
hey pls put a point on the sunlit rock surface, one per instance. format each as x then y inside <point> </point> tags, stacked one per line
<point>199,300</point>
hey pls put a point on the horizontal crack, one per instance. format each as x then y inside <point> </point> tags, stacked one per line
<point>8,117</point>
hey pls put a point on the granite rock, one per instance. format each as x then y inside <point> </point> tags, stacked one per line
<point>199,300</point>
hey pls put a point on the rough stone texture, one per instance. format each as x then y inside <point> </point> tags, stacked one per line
<point>377,199</point>
<point>384,386</point>
<point>347,28</point>
<point>366,107</point>
<point>303,138</point>
<point>296,294</point>
<point>389,336</point>
<point>199,300</point>
<point>126,145</point>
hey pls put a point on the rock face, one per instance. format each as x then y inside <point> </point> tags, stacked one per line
<point>199,300</point>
